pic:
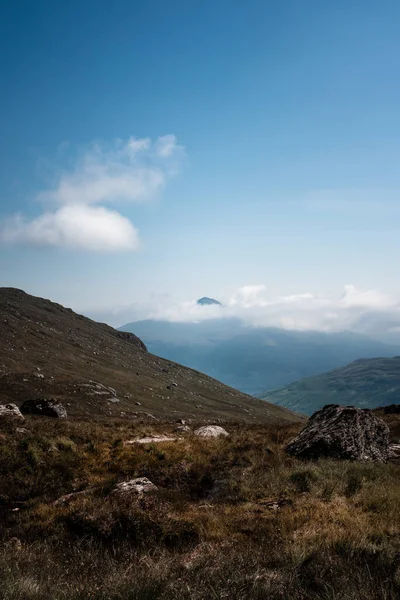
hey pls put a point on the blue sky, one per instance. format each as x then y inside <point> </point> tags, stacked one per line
<point>268,139</point>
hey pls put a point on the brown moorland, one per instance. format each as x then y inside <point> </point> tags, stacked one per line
<point>233,517</point>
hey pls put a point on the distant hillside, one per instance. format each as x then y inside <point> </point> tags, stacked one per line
<point>47,350</point>
<point>368,383</point>
<point>254,359</point>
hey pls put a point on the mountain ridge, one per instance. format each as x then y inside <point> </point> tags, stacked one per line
<point>47,350</point>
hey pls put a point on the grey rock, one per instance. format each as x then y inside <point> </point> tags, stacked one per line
<point>151,439</point>
<point>342,432</point>
<point>10,412</point>
<point>211,431</point>
<point>48,407</point>
<point>140,485</point>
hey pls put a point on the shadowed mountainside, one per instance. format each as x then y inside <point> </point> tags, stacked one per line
<point>50,351</point>
<point>254,359</point>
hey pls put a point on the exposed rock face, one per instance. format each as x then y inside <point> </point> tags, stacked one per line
<point>140,485</point>
<point>48,407</point>
<point>342,432</point>
<point>211,431</point>
<point>10,412</point>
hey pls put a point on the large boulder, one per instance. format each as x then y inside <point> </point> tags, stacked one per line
<point>47,407</point>
<point>10,413</point>
<point>342,432</point>
<point>211,431</point>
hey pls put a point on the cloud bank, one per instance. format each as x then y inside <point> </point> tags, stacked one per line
<point>370,312</point>
<point>127,171</point>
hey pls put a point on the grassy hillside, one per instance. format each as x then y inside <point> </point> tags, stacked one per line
<point>367,383</point>
<point>254,359</point>
<point>47,350</point>
<point>231,518</point>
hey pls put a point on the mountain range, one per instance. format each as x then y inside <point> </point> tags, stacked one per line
<point>367,383</point>
<point>47,351</point>
<point>254,359</point>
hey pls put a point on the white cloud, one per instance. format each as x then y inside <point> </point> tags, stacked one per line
<point>166,146</point>
<point>369,312</point>
<point>248,296</point>
<point>133,170</point>
<point>74,226</point>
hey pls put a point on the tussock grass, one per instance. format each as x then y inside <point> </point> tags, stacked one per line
<point>209,531</point>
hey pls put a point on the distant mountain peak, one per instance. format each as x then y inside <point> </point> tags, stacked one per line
<point>204,301</point>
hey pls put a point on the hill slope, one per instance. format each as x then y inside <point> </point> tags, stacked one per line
<point>254,359</point>
<point>367,383</point>
<point>48,350</point>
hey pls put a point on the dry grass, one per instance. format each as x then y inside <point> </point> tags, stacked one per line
<point>209,531</point>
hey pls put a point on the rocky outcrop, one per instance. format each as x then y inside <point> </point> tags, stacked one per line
<point>342,432</point>
<point>10,413</point>
<point>47,407</point>
<point>133,339</point>
<point>211,431</point>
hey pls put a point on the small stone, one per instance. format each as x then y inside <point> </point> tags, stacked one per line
<point>140,485</point>
<point>151,439</point>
